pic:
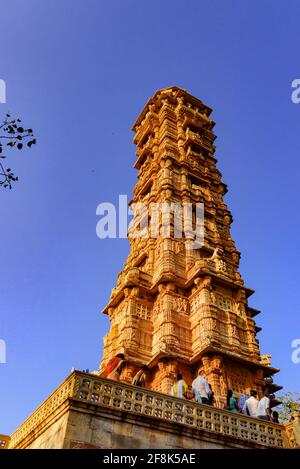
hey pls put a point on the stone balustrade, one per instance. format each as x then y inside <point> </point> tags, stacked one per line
<point>179,411</point>
<point>90,389</point>
<point>46,409</point>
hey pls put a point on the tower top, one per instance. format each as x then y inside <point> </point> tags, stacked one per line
<point>172,92</point>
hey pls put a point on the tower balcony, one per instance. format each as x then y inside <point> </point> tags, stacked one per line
<point>197,118</point>
<point>141,135</point>
<point>217,268</point>
<point>198,141</point>
<point>144,148</point>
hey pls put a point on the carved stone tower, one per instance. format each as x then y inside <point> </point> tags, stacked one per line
<point>175,308</point>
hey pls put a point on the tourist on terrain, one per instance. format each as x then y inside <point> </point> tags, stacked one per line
<point>211,397</point>
<point>275,417</point>
<point>263,409</point>
<point>179,388</point>
<point>242,401</point>
<point>201,389</point>
<point>250,406</point>
<point>113,368</point>
<point>231,402</point>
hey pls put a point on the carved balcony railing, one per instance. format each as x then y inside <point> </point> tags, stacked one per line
<point>179,411</point>
<point>136,401</point>
<point>45,410</point>
<point>290,435</point>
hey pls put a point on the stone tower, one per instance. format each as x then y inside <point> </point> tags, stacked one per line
<point>177,308</point>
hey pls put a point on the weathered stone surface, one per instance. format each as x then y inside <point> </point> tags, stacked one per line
<point>53,437</point>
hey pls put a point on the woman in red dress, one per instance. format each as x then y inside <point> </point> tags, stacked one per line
<point>113,368</point>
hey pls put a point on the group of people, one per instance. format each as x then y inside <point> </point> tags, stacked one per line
<point>201,390</point>
<point>252,406</point>
<point>246,404</point>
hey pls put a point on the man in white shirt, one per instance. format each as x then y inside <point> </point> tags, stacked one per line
<point>250,406</point>
<point>263,409</point>
<point>201,389</point>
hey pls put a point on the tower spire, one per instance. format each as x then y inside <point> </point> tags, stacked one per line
<point>177,308</point>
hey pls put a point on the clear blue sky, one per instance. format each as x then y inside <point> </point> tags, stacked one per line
<point>79,72</point>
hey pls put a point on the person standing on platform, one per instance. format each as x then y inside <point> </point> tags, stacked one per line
<point>242,401</point>
<point>180,388</point>
<point>264,407</point>
<point>250,406</point>
<point>231,402</point>
<point>113,368</point>
<point>201,389</point>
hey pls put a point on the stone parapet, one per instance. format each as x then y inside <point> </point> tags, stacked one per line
<point>88,411</point>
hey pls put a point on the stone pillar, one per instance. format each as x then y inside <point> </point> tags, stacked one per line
<point>215,374</point>
<point>166,375</point>
<point>181,133</point>
<point>131,323</point>
<point>169,342</point>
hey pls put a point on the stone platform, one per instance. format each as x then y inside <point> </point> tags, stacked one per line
<point>86,411</point>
